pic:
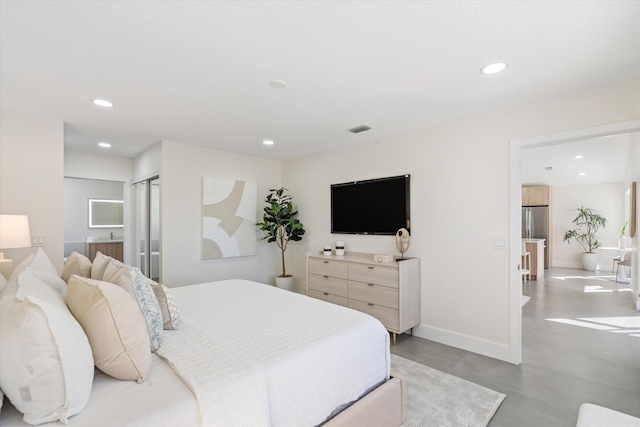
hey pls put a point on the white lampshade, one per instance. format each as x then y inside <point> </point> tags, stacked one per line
<point>14,231</point>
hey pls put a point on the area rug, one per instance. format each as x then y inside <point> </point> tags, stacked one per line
<point>525,300</point>
<point>433,398</point>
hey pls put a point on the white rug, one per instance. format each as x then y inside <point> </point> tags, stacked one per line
<point>433,398</point>
<point>525,300</point>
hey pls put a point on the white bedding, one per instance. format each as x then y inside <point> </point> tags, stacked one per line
<point>253,355</point>
<point>289,360</point>
<point>162,400</point>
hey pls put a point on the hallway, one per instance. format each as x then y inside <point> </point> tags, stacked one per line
<point>581,344</point>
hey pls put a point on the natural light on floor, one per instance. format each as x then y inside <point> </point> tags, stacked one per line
<point>621,325</point>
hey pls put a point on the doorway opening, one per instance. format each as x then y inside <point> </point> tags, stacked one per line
<point>515,214</point>
<point>94,219</point>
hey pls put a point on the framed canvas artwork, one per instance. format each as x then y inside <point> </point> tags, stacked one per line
<point>228,218</point>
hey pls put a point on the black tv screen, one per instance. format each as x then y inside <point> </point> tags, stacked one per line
<point>374,206</point>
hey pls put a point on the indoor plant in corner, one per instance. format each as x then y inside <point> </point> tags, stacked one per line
<point>281,226</point>
<point>588,221</point>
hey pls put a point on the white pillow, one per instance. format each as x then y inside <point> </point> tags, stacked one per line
<point>98,266</point>
<point>3,282</point>
<point>46,365</point>
<point>76,263</point>
<point>50,279</point>
<point>136,284</point>
<point>168,305</point>
<point>114,325</point>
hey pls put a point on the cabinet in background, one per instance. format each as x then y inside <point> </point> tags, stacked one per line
<point>535,196</point>
<point>112,249</point>
<point>388,291</point>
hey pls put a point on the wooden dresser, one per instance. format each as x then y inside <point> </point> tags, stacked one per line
<point>388,291</point>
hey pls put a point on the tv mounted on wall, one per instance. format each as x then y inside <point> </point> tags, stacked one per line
<point>374,206</point>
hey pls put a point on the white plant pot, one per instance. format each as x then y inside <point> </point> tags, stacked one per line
<point>589,261</point>
<point>285,283</point>
<point>623,242</point>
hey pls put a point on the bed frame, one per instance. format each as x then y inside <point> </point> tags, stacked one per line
<point>383,407</point>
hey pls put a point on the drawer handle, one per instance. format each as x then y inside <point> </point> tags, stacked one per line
<point>326,293</point>
<point>326,277</point>
<point>370,268</point>
<point>370,303</point>
<point>370,284</point>
<point>326,262</point>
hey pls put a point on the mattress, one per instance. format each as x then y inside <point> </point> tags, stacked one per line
<point>258,355</point>
<point>162,400</point>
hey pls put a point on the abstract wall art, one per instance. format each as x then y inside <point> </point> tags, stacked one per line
<point>228,218</point>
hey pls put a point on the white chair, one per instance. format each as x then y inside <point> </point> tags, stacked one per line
<point>626,262</point>
<point>525,270</point>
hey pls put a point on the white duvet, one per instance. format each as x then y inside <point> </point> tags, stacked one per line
<point>255,355</point>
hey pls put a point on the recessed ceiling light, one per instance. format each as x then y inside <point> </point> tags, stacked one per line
<point>278,84</point>
<point>267,142</point>
<point>103,102</point>
<point>494,67</point>
<point>579,156</point>
<point>104,145</point>
<point>582,173</point>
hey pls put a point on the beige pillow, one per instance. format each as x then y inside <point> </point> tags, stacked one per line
<point>98,266</point>
<point>168,305</point>
<point>137,285</point>
<point>76,264</point>
<point>114,325</point>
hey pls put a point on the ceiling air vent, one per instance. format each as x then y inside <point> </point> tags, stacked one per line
<point>360,128</point>
<point>548,168</point>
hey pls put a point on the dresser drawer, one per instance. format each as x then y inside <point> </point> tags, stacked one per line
<point>328,284</point>
<point>325,296</point>
<point>377,294</point>
<point>388,316</point>
<point>325,267</point>
<point>373,274</point>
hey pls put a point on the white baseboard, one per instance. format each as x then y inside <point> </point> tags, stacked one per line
<point>465,342</point>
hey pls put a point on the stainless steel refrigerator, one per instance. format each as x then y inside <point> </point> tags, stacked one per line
<point>535,225</point>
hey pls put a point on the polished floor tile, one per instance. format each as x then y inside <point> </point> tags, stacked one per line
<point>581,343</point>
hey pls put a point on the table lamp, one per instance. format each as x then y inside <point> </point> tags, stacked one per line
<point>14,233</point>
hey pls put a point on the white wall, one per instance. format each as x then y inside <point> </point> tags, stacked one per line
<point>459,202</point>
<point>183,167</point>
<point>31,171</point>
<point>608,200</point>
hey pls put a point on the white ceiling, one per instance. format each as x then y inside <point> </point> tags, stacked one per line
<point>198,71</point>
<point>604,160</point>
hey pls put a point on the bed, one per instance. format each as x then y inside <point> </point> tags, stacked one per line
<point>250,354</point>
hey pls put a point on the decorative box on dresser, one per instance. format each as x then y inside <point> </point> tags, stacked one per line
<point>388,291</point>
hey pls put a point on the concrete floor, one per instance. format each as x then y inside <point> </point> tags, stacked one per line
<point>589,354</point>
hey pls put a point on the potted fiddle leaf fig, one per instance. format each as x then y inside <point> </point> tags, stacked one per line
<point>281,226</point>
<point>587,221</point>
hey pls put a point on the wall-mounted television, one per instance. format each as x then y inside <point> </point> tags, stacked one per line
<point>373,206</point>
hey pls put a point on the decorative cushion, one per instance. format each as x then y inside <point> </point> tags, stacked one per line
<point>50,279</point>
<point>76,264</point>
<point>168,305</point>
<point>136,284</point>
<point>46,365</point>
<point>114,325</point>
<point>98,266</point>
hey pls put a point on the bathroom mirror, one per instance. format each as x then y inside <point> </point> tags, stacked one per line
<point>105,213</point>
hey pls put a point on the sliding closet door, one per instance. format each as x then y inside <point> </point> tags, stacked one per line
<point>148,227</point>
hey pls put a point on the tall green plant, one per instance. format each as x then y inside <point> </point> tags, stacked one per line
<point>279,222</point>
<point>588,221</point>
